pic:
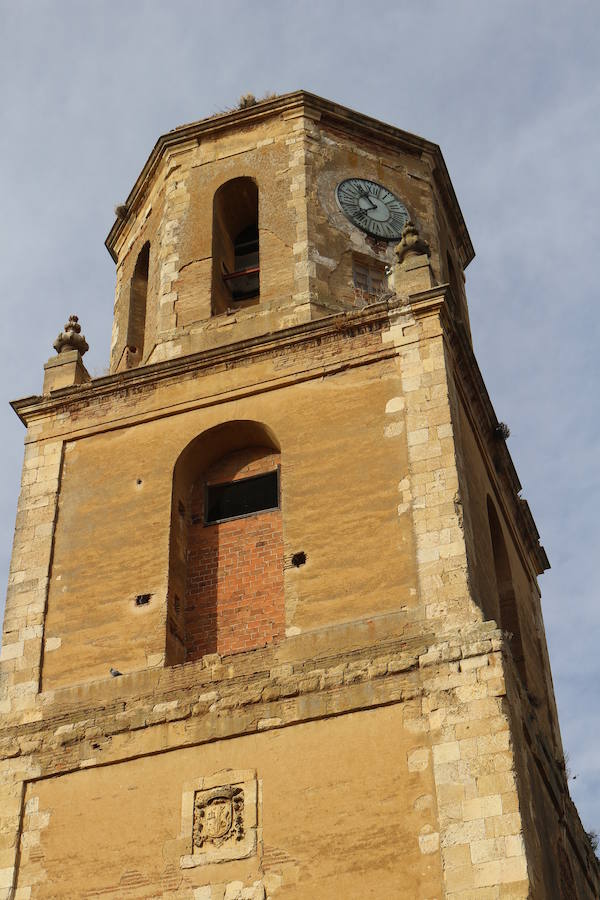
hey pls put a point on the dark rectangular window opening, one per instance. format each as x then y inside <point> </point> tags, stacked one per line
<point>245,497</point>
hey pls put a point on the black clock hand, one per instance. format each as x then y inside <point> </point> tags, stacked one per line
<point>371,204</point>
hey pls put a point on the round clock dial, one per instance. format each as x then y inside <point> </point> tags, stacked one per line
<point>372,208</point>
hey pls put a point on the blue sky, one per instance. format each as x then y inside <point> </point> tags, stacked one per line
<point>511,92</point>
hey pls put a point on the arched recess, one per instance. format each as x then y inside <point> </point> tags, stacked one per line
<point>138,299</point>
<point>235,245</point>
<point>507,601</point>
<point>226,553</point>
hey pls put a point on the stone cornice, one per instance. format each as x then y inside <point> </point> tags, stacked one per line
<point>370,318</point>
<point>301,102</point>
<point>229,696</point>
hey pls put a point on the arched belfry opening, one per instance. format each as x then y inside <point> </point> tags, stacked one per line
<point>138,299</point>
<point>235,243</point>
<point>226,554</point>
<point>507,601</point>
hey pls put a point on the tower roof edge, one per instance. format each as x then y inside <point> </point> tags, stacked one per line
<point>325,110</point>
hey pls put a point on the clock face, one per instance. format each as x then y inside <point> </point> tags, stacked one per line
<point>372,208</point>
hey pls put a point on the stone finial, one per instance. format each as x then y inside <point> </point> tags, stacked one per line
<point>411,243</point>
<point>71,338</point>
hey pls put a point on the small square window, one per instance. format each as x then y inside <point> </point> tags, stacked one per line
<point>369,277</point>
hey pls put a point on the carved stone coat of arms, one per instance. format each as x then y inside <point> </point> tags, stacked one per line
<point>218,816</point>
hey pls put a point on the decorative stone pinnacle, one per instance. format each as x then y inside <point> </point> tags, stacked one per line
<point>71,338</point>
<point>411,243</point>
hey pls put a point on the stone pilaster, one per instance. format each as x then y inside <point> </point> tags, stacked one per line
<point>430,490</point>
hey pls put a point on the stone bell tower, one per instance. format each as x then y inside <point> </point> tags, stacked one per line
<point>273,626</point>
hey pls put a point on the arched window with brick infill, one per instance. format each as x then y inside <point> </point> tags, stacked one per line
<point>507,601</point>
<point>226,567</point>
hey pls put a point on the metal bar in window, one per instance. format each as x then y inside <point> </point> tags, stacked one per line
<point>253,270</point>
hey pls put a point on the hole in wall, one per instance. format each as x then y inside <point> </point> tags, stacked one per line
<point>298,559</point>
<point>142,599</point>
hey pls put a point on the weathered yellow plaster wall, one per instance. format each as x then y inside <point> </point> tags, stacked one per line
<point>336,803</point>
<point>339,488</point>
